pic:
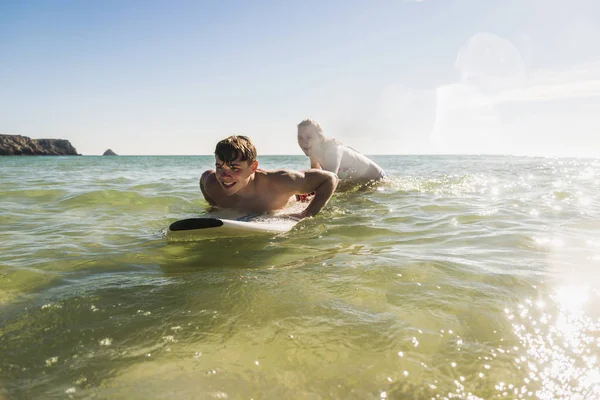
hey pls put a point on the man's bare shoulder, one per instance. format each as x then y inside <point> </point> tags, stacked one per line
<point>208,176</point>
<point>208,180</point>
<point>291,181</point>
<point>278,175</point>
<point>290,175</point>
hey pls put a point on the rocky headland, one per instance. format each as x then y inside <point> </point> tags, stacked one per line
<point>17,145</point>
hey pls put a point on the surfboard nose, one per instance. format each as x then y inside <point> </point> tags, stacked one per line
<point>195,223</point>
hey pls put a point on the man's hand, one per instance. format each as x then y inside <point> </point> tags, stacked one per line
<point>323,183</point>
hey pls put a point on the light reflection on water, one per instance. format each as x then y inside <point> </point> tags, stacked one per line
<point>561,344</point>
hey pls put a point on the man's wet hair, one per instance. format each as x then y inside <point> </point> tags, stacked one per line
<point>229,149</point>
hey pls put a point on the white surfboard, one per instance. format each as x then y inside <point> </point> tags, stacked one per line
<point>212,227</point>
<point>231,223</point>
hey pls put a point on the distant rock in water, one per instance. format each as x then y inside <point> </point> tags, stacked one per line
<point>17,145</point>
<point>109,152</point>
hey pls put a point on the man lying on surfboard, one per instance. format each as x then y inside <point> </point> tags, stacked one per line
<point>238,184</point>
<point>328,154</point>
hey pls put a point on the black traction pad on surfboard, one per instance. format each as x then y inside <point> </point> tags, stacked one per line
<point>195,223</point>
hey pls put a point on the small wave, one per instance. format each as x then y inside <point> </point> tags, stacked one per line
<point>361,231</point>
<point>120,200</point>
<point>33,195</point>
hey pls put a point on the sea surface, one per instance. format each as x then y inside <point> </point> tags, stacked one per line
<point>463,277</point>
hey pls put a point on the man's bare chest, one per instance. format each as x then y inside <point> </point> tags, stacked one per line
<point>260,202</point>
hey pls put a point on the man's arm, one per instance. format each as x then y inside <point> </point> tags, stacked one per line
<point>203,179</point>
<point>323,183</point>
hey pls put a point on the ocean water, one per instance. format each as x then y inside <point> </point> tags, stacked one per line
<point>469,277</point>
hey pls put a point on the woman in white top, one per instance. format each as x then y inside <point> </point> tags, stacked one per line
<point>330,155</point>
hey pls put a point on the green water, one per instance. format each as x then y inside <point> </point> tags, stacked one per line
<point>459,277</point>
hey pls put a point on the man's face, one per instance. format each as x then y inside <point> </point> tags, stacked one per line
<point>308,139</point>
<point>234,176</point>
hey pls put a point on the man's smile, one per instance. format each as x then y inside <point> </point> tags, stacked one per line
<point>228,185</point>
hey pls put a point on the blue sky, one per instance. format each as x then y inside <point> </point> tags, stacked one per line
<point>386,77</point>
